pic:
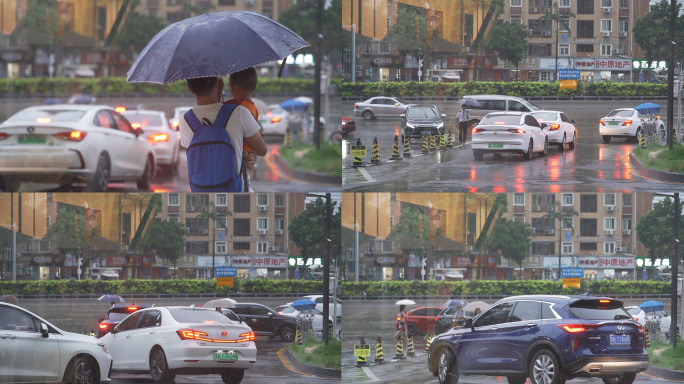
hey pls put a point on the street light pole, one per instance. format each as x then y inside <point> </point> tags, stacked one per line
<point>670,76</point>
<point>353,68</point>
<point>326,270</point>
<point>675,268</point>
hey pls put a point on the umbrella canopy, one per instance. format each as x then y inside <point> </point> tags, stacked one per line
<point>647,108</point>
<point>294,105</point>
<point>652,306</point>
<point>303,304</point>
<point>473,305</point>
<point>455,303</point>
<point>213,44</point>
<point>111,298</point>
<point>405,302</point>
<point>225,302</point>
<point>470,102</point>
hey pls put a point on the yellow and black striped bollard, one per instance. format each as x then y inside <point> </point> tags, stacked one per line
<point>361,358</point>
<point>433,148</point>
<point>358,151</point>
<point>399,354</point>
<point>428,341</point>
<point>642,140</point>
<point>395,149</point>
<point>375,152</point>
<point>449,139</point>
<point>442,142</point>
<point>410,350</point>
<point>407,146</point>
<point>379,354</point>
<point>426,145</point>
<point>287,140</point>
<point>298,336</point>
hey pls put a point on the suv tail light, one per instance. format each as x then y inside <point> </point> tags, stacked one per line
<point>576,328</point>
<point>3,135</point>
<point>476,130</point>
<point>516,130</point>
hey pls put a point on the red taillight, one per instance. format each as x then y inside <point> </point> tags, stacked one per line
<point>554,127</point>
<point>247,336</point>
<point>71,135</point>
<point>601,122</point>
<point>398,318</point>
<point>3,135</point>
<point>476,130</point>
<point>103,326</point>
<point>641,327</point>
<point>190,334</point>
<point>120,109</point>
<point>175,124</point>
<point>132,309</point>
<point>516,130</point>
<point>604,301</point>
<point>158,138</point>
<point>576,328</point>
<point>627,123</point>
<point>356,106</point>
<point>275,120</point>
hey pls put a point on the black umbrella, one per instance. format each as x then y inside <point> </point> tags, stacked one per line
<point>111,298</point>
<point>470,102</point>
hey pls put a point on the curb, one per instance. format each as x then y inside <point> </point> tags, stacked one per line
<point>304,175</point>
<point>313,369</point>
<point>654,173</point>
<point>665,373</point>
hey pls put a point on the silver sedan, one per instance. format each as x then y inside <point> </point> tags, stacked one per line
<point>380,106</point>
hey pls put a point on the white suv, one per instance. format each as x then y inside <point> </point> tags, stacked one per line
<point>496,103</point>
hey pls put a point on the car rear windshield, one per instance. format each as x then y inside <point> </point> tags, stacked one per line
<point>545,116</point>
<point>190,315</point>
<point>621,113</point>
<point>500,120</point>
<point>117,316</point>
<point>598,309</point>
<point>144,119</point>
<point>47,116</point>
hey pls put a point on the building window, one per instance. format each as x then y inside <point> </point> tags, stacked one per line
<point>584,48</point>
<point>568,199</point>
<point>383,47</point>
<point>609,223</point>
<point>563,49</point>
<point>279,200</point>
<point>197,247</point>
<point>262,247</point>
<point>588,246</point>
<point>516,20</point>
<point>606,3</point>
<point>174,219</point>
<point>280,224</point>
<point>262,199</point>
<point>624,4</point>
<point>543,248</point>
<point>624,26</point>
<point>564,4</point>
<point>606,25</point>
<point>221,224</point>
<point>518,199</point>
<point>241,227</point>
<point>609,199</point>
<point>519,218</point>
<point>221,199</point>
<point>609,248</point>
<point>606,49</point>
<point>262,223</point>
<point>564,25</point>
<point>221,247</point>
<point>43,246</point>
<point>588,203</point>
<point>173,199</point>
<point>226,3</point>
<point>567,248</point>
<point>516,3</point>
<point>386,247</point>
<point>567,224</point>
<point>626,224</point>
<point>241,246</point>
<point>585,29</point>
<point>626,200</point>
<point>588,227</point>
<point>585,7</point>
<point>241,203</point>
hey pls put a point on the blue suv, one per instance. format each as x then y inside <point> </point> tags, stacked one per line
<point>547,338</point>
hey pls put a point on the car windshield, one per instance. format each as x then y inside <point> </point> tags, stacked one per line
<point>144,119</point>
<point>545,116</point>
<point>500,120</point>
<point>621,113</point>
<point>47,116</point>
<point>422,113</point>
<point>598,310</point>
<point>190,315</point>
<point>530,106</point>
<point>633,311</point>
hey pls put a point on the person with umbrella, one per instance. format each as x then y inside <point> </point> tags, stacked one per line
<point>463,118</point>
<point>401,326</point>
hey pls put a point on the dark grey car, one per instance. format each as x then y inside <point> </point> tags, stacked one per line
<point>421,121</point>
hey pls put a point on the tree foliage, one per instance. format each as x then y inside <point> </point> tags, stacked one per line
<point>68,231</point>
<point>654,229</point>
<point>138,30</point>
<point>508,40</point>
<point>412,231</point>
<point>652,31</point>
<point>301,19</point>
<point>410,30</point>
<point>166,239</point>
<point>41,16</point>
<point>307,230</point>
<point>511,239</point>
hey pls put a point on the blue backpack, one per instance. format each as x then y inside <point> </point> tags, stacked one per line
<point>211,155</point>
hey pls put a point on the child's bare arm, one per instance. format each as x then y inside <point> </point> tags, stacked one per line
<point>257,143</point>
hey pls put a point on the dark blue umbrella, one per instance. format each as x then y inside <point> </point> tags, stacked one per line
<point>652,306</point>
<point>303,304</point>
<point>455,303</point>
<point>213,44</point>
<point>647,108</point>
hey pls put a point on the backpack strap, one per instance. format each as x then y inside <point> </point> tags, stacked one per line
<point>224,114</point>
<point>192,120</point>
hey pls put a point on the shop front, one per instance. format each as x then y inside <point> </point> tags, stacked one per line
<point>595,267</point>
<point>302,268</point>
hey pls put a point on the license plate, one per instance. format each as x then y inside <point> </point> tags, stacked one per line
<point>225,355</point>
<point>619,340</point>
<point>495,146</point>
<point>31,139</point>
<point>613,123</point>
<point>426,132</point>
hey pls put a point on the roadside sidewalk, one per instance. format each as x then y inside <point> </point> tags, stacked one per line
<point>654,173</point>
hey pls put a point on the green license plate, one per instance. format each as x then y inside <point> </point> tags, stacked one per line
<point>613,123</point>
<point>31,140</point>
<point>495,145</point>
<point>225,355</point>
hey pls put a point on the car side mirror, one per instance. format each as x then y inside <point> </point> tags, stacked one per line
<point>270,314</point>
<point>403,116</point>
<point>44,330</point>
<point>572,121</point>
<point>543,125</point>
<point>443,115</point>
<point>468,323</point>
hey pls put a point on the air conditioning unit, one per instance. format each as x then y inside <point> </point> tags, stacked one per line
<point>609,232</point>
<point>205,208</point>
<point>548,232</point>
<point>191,208</point>
<point>262,232</point>
<point>546,33</point>
<point>616,51</point>
<point>536,208</point>
<point>606,34</point>
<point>610,208</point>
<point>618,249</point>
<point>534,229</point>
<point>272,248</point>
<point>534,10</point>
<point>203,231</point>
<point>623,34</point>
<point>607,10</point>
<point>627,232</point>
<point>279,231</point>
<point>547,10</point>
<point>262,208</point>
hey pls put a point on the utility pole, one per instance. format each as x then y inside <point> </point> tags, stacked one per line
<point>670,77</point>
<point>326,270</point>
<point>675,267</point>
<point>317,78</point>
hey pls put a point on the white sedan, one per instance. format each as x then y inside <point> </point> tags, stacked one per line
<point>164,139</point>
<point>559,128</point>
<point>166,341</point>
<point>314,315</point>
<point>34,351</point>
<point>627,122</point>
<point>71,143</point>
<point>275,121</point>
<point>517,132</point>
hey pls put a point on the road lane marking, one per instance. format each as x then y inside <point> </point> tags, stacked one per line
<point>370,374</point>
<point>367,175</point>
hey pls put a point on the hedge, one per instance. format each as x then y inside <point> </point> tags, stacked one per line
<point>513,88</point>
<point>154,287</point>
<point>500,288</point>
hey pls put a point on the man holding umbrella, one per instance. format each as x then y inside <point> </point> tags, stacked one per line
<point>463,118</point>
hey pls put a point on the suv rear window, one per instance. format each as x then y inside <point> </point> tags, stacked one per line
<point>598,310</point>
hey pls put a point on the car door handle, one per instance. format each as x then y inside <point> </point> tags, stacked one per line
<point>494,329</point>
<point>531,324</point>
<point>8,337</point>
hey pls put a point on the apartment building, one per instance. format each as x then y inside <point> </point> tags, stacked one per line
<point>175,10</point>
<point>595,232</point>
<point>248,231</point>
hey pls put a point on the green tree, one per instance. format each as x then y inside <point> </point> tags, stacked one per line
<point>138,30</point>
<point>166,239</point>
<point>412,233</point>
<point>652,31</point>
<point>41,16</point>
<point>409,32</point>
<point>654,229</point>
<point>307,230</point>
<point>508,40</point>
<point>511,239</point>
<point>301,19</point>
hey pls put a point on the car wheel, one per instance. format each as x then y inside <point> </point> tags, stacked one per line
<point>606,139</point>
<point>448,369</point>
<point>336,137</point>
<point>368,115</point>
<point>561,146</point>
<point>159,369</point>
<point>626,378</point>
<point>516,379</point>
<point>571,145</point>
<point>544,368</point>
<point>232,376</point>
<point>83,371</point>
<point>477,154</point>
<point>412,329</point>
<point>530,151</point>
<point>145,180</point>
<point>545,151</point>
<point>99,179</point>
<point>287,333</point>
<point>637,135</point>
